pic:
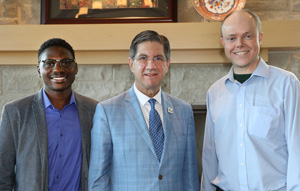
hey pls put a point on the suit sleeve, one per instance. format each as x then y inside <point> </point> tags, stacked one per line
<point>7,153</point>
<point>209,157</point>
<point>190,171</point>
<point>292,127</point>
<point>101,152</point>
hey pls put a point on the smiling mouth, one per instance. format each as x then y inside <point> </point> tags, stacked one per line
<point>241,53</point>
<point>150,75</point>
<point>58,79</point>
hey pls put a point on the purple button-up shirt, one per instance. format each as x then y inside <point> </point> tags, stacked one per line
<point>64,146</point>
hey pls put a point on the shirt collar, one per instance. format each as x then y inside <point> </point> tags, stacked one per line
<point>47,102</point>
<point>261,70</point>
<point>143,99</point>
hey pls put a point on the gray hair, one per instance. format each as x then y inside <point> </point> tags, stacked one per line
<point>151,36</point>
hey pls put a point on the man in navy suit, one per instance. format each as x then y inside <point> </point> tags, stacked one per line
<point>144,139</point>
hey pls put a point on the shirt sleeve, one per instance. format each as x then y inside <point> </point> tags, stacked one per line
<point>209,157</point>
<point>292,129</point>
<point>7,153</point>
<point>101,152</point>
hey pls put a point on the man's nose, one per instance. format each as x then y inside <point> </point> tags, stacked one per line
<point>239,42</point>
<point>150,63</point>
<point>57,67</point>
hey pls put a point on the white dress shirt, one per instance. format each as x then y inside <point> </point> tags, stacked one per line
<point>146,107</point>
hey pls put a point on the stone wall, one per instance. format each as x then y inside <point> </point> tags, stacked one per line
<point>14,12</point>
<point>186,81</point>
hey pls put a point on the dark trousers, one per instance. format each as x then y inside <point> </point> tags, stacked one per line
<point>219,189</point>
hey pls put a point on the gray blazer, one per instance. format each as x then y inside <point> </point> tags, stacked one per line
<point>24,143</point>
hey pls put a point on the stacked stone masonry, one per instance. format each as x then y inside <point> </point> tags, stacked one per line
<point>186,81</point>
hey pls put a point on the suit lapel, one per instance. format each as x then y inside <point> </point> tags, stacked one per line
<point>42,132</point>
<point>84,120</point>
<point>167,108</point>
<point>85,124</point>
<point>136,115</point>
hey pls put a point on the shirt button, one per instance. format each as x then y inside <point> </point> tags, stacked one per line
<point>240,105</point>
<point>160,177</point>
<point>242,164</point>
<point>241,125</point>
<point>61,135</point>
<point>60,156</point>
<point>241,144</point>
<point>244,184</point>
<point>57,177</point>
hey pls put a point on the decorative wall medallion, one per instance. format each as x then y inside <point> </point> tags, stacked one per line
<point>217,9</point>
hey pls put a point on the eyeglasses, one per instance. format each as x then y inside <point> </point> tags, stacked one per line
<point>145,59</point>
<point>65,63</point>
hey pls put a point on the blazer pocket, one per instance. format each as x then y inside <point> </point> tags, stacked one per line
<point>263,121</point>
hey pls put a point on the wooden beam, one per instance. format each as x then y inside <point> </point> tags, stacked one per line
<point>121,57</point>
<point>109,43</point>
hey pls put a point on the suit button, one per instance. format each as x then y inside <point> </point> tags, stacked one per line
<point>160,177</point>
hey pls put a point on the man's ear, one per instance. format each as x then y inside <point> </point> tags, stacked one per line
<point>76,68</point>
<point>260,37</point>
<point>131,64</point>
<point>221,41</point>
<point>38,70</point>
<point>168,65</point>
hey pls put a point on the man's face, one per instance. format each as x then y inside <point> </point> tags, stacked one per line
<point>241,42</point>
<point>57,79</point>
<point>149,67</point>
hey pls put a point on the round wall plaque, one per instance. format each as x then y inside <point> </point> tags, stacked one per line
<point>217,9</point>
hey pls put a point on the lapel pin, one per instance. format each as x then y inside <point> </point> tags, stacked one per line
<point>170,110</point>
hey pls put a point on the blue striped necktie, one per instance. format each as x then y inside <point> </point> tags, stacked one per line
<point>156,130</point>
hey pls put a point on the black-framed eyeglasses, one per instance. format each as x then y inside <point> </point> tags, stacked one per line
<point>65,63</point>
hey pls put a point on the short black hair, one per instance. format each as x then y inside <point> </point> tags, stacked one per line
<point>151,36</point>
<point>55,42</point>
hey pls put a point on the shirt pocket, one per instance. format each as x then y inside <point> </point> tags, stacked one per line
<point>263,121</point>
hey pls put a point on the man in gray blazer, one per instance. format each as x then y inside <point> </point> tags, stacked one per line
<point>45,138</point>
